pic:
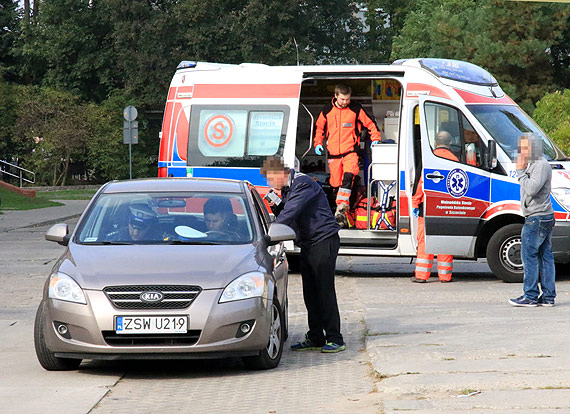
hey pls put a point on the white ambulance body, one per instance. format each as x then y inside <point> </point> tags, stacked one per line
<point>223,120</point>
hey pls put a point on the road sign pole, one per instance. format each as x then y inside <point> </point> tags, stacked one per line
<point>130,155</point>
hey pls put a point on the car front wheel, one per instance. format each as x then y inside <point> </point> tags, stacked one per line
<point>270,356</point>
<point>47,359</point>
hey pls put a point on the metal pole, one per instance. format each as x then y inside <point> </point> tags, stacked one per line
<point>130,143</point>
<point>20,178</point>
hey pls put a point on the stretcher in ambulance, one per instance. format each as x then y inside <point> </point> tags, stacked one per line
<point>223,120</point>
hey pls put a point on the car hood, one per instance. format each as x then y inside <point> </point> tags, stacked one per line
<point>210,267</point>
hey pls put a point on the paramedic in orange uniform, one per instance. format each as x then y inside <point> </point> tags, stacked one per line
<point>424,261</point>
<point>340,122</point>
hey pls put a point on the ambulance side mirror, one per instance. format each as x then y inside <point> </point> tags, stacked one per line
<point>491,155</point>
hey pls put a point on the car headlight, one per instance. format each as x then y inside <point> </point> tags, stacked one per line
<point>562,195</point>
<point>246,286</point>
<point>62,287</point>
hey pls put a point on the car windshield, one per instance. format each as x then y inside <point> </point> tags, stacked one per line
<point>167,218</point>
<point>506,123</point>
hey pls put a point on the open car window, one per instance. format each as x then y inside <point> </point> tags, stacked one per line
<point>167,218</point>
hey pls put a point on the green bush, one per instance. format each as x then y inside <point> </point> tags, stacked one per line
<point>553,115</point>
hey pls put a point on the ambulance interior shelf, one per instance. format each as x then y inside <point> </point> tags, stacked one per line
<point>383,177</point>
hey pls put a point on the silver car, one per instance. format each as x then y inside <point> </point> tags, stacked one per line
<point>167,268</point>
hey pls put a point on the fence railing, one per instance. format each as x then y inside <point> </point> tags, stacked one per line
<point>13,170</point>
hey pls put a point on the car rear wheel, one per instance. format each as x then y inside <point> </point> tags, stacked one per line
<point>270,356</point>
<point>47,359</point>
<point>504,253</point>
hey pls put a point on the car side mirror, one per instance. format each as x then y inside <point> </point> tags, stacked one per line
<point>492,154</point>
<point>279,232</point>
<point>59,233</point>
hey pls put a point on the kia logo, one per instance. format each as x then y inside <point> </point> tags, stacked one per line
<point>152,296</point>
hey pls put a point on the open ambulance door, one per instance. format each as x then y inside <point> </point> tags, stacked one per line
<point>456,181</point>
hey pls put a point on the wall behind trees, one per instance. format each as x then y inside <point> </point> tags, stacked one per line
<point>68,67</point>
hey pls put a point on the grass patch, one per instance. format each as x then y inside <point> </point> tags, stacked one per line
<point>83,194</point>
<point>449,359</point>
<point>553,387</point>
<point>14,201</point>
<point>466,391</point>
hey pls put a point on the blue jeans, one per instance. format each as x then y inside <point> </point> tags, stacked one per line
<point>537,258</point>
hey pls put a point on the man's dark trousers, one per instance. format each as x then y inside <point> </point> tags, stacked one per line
<point>318,263</point>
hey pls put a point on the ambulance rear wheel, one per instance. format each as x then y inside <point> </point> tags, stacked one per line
<point>504,253</point>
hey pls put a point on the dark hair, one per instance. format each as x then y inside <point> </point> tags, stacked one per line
<point>273,164</point>
<point>217,205</point>
<point>342,88</point>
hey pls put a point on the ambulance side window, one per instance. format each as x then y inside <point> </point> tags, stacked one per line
<point>450,132</point>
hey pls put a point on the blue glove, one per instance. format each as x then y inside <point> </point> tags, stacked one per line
<point>416,212</point>
<point>319,149</point>
<point>374,142</point>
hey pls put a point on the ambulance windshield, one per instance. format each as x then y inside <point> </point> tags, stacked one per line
<point>506,123</point>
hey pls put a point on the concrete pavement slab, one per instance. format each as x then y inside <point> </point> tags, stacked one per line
<point>429,343</point>
<point>16,219</point>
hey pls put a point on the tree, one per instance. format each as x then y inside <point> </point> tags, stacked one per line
<point>52,132</point>
<point>553,115</point>
<point>512,40</point>
<point>69,48</point>
<point>8,35</point>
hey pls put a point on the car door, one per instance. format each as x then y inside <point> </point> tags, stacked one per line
<point>456,191</point>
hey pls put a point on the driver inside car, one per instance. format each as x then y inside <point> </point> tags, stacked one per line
<point>219,216</point>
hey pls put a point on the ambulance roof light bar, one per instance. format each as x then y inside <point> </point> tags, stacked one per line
<point>458,70</point>
<point>186,64</point>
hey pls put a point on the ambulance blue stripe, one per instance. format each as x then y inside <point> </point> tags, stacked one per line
<point>478,184</point>
<point>249,174</point>
<point>402,180</point>
<point>504,190</point>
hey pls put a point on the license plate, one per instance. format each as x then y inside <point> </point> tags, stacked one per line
<point>151,324</point>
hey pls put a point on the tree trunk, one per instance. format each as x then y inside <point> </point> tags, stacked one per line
<point>27,12</point>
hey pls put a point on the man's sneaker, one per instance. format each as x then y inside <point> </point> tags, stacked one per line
<point>524,302</point>
<point>331,348</point>
<point>305,345</point>
<point>545,302</point>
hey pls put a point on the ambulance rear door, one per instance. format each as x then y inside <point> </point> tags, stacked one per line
<point>240,115</point>
<point>457,192</point>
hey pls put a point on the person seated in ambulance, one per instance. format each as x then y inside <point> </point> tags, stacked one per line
<point>340,122</point>
<point>424,262</point>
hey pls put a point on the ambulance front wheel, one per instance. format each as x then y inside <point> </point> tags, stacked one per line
<point>504,253</point>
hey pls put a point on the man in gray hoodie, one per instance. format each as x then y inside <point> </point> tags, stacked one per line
<point>534,174</point>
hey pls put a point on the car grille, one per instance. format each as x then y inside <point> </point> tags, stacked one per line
<point>175,296</point>
<point>114,339</point>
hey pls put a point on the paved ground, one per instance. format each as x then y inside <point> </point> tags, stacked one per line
<point>418,348</point>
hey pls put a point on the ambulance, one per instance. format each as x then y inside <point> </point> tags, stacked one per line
<point>223,120</point>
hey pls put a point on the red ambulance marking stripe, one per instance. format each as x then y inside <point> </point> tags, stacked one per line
<point>182,135</point>
<point>163,155</point>
<point>423,87</point>
<point>512,207</point>
<point>471,98</point>
<point>560,216</point>
<point>471,207</point>
<point>184,92</point>
<point>247,91</point>
<point>404,204</point>
<point>171,93</point>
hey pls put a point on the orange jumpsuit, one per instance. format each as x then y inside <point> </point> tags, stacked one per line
<point>424,262</point>
<point>341,127</point>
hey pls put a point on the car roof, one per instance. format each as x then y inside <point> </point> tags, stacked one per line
<point>174,184</point>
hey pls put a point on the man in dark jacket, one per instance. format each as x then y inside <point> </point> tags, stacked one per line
<point>305,208</point>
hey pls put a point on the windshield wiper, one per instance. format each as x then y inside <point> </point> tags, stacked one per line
<point>107,243</point>
<point>191,242</point>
